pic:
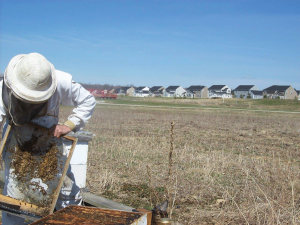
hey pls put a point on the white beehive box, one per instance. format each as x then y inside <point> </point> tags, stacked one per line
<point>79,159</point>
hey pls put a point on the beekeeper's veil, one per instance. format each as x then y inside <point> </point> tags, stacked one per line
<point>29,81</point>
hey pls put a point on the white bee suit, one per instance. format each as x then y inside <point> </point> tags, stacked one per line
<point>67,93</point>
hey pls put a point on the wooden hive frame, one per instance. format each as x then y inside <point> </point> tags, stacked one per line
<point>28,207</point>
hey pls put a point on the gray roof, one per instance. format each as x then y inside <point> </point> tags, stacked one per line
<point>244,87</point>
<point>257,92</point>
<point>194,88</point>
<point>216,87</point>
<point>276,88</point>
<point>140,88</point>
<point>172,88</point>
<point>122,89</point>
<point>155,88</point>
<point>125,88</point>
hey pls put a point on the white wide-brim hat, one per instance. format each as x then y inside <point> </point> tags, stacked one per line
<point>31,78</point>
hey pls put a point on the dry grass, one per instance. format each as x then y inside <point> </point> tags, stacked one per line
<point>228,167</point>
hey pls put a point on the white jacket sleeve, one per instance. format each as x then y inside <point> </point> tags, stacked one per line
<point>73,94</point>
<point>2,111</point>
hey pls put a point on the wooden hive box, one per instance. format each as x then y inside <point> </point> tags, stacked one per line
<point>90,215</point>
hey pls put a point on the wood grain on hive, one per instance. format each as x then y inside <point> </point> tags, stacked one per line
<point>89,215</point>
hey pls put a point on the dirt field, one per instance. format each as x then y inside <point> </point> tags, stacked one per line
<point>228,167</point>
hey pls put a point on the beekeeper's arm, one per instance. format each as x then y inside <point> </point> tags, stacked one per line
<point>73,94</point>
<point>2,111</point>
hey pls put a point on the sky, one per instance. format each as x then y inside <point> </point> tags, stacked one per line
<point>159,42</point>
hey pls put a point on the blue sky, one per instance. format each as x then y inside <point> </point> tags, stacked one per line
<point>159,42</point>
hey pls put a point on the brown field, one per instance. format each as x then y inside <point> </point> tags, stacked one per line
<point>229,167</point>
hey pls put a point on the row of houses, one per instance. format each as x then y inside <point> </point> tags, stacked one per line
<point>201,91</point>
<point>215,91</point>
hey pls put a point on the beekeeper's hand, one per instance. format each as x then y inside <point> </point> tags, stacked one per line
<point>59,130</point>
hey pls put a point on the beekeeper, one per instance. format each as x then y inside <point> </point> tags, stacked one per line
<point>32,91</point>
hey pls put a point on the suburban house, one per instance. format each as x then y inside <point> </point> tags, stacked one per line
<point>129,91</point>
<point>157,91</point>
<point>175,91</point>
<point>141,91</point>
<point>256,94</point>
<point>219,91</point>
<point>298,93</point>
<point>197,91</point>
<point>243,91</point>
<point>281,91</point>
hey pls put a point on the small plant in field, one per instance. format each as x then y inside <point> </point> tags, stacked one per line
<point>169,178</point>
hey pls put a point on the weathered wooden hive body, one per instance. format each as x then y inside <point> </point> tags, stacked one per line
<point>90,215</point>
